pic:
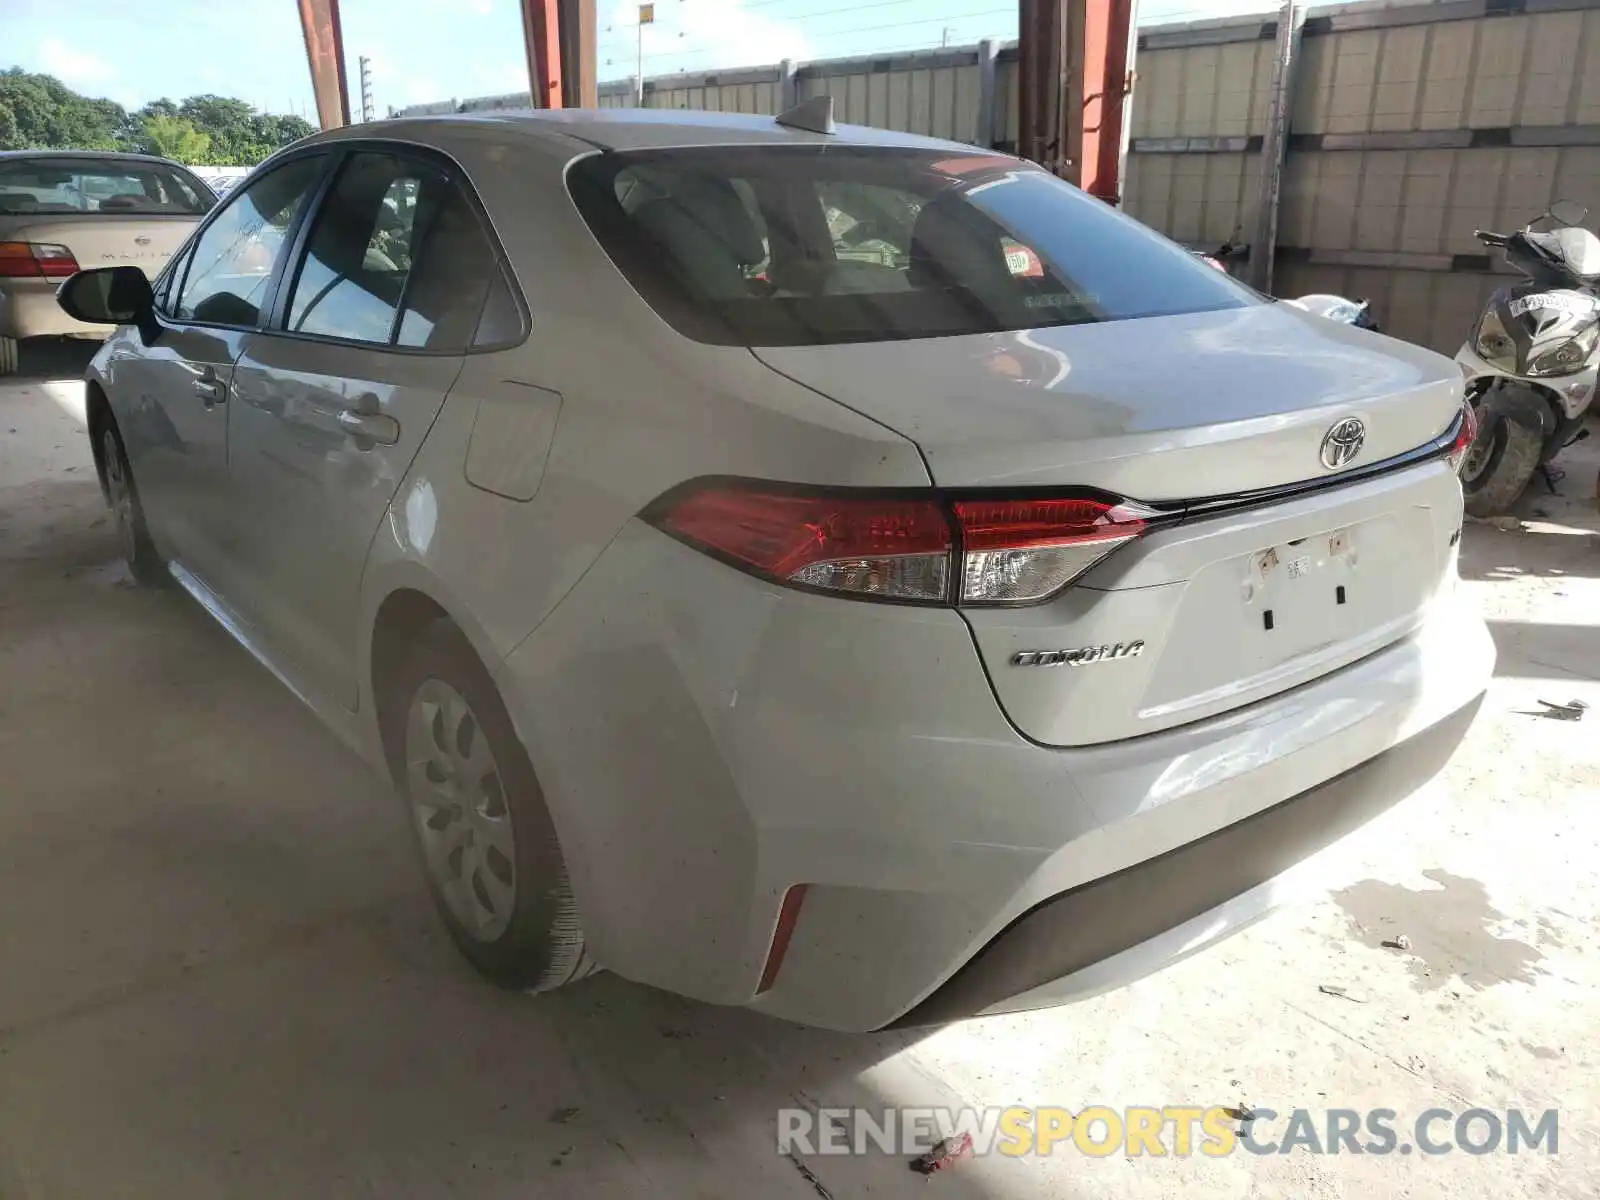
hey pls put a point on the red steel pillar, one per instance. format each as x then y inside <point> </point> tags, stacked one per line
<point>541,27</point>
<point>560,36</point>
<point>579,65</point>
<point>1042,84</point>
<point>1072,87</point>
<point>1107,84</point>
<point>319,20</point>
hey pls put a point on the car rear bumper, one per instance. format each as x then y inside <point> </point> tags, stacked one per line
<point>1046,955</point>
<point>708,742</point>
<point>28,309</point>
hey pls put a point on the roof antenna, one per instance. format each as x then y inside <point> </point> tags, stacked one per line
<point>814,115</point>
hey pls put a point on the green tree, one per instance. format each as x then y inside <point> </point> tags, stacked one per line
<point>43,113</point>
<point>40,112</point>
<point>176,138</point>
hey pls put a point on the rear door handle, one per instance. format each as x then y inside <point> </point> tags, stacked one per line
<point>371,428</point>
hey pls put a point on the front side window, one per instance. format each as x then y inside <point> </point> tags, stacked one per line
<point>397,256</point>
<point>64,185</point>
<point>235,255</point>
<point>810,245</point>
<point>166,283</point>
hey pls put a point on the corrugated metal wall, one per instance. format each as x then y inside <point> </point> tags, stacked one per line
<point>939,93</point>
<point>1412,126</point>
<point>758,91</point>
<point>936,93</point>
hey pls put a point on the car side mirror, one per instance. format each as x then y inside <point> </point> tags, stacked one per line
<point>111,296</point>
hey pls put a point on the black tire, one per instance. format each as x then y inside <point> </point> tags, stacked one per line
<point>122,495</point>
<point>1511,453</point>
<point>541,946</point>
<point>10,356</point>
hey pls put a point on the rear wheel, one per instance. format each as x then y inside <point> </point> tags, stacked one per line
<point>8,356</point>
<point>487,844</point>
<point>1498,465</point>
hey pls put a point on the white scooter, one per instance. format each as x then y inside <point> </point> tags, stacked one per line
<point>1337,308</point>
<point>1320,304</point>
<point>1532,360</point>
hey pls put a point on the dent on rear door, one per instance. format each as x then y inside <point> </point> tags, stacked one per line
<point>308,444</point>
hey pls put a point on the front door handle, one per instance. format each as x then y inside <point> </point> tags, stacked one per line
<point>209,388</point>
<point>367,427</point>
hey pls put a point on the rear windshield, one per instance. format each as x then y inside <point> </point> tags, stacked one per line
<point>812,245</point>
<point>113,186</point>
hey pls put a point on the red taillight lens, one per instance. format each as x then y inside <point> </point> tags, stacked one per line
<point>17,262</point>
<point>1022,551</point>
<point>1466,434</point>
<point>36,260</point>
<point>898,548</point>
<point>55,262</point>
<point>883,547</point>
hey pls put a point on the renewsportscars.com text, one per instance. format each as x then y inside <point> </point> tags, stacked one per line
<point>1168,1130</point>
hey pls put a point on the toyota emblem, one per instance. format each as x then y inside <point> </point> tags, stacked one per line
<point>1343,442</point>
<point>141,240</point>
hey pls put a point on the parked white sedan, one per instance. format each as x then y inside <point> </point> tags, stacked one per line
<point>62,210</point>
<point>841,573</point>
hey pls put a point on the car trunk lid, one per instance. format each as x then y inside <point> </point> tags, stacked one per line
<point>104,239</point>
<point>1219,604</point>
<point>1163,408</point>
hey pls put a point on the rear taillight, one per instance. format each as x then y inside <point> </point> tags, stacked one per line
<point>923,549</point>
<point>36,260</point>
<point>1022,551</point>
<point>1466,434</point>
<point>884,547</point>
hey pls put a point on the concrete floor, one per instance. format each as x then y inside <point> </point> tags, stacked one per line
<point>219,975</point>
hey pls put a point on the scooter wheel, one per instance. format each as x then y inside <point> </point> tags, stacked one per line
<point>1499,464</point>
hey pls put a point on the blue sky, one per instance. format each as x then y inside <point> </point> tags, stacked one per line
<point>425,50</point>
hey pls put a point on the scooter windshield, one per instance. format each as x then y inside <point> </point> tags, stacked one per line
<point>1575,249</point>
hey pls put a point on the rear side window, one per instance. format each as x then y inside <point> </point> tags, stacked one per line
<point>77,186</point>
<point>810,245</point>
<point>397,256</point>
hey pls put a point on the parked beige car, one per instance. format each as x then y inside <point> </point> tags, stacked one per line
<point>64,210</point>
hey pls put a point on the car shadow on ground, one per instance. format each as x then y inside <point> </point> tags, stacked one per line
<point>54,358</point>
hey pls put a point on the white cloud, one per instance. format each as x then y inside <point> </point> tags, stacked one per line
<point>74,67</point>
<point>415,89</point>
<point>392,84</point>
<point>699,35</point>
<point>482,7</point>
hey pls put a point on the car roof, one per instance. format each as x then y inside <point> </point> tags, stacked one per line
<point>632,129</point>
<point>111,155</point>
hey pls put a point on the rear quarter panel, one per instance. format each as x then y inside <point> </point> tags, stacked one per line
<point>619,408</point>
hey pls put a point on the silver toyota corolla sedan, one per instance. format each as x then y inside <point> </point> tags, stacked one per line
<point>846,574</point>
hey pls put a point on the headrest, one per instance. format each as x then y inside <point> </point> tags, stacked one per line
<point>952,245</point>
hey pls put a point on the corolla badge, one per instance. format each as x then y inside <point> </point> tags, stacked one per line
<point>1077,658</point>
<point>1343,442</point>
